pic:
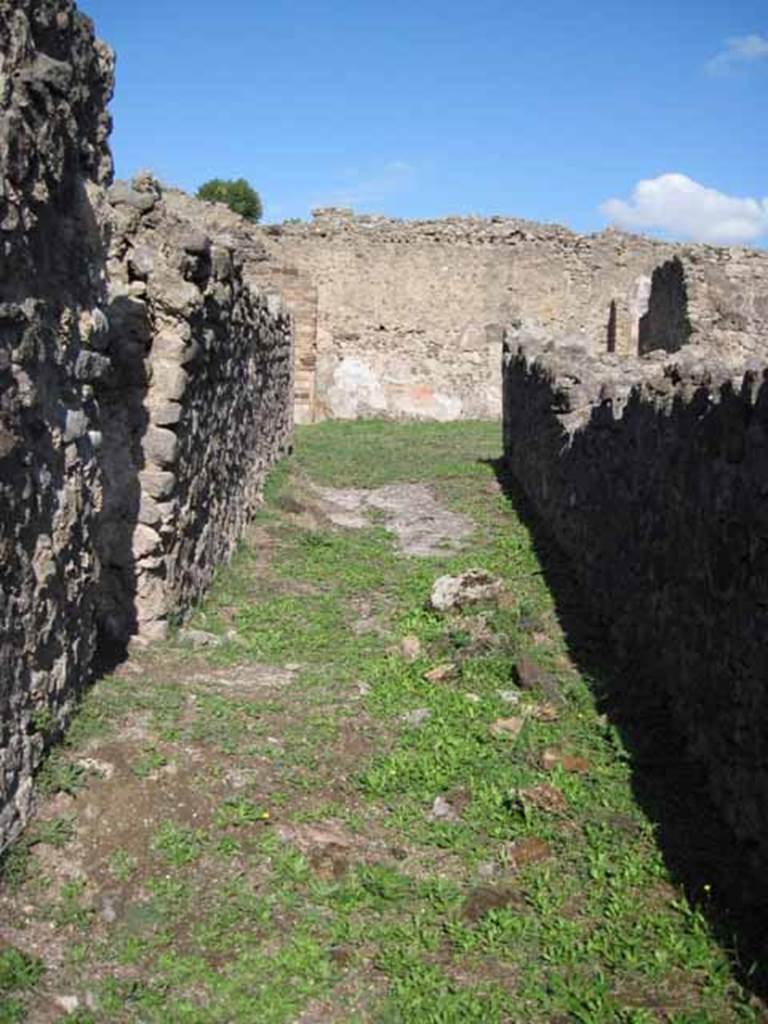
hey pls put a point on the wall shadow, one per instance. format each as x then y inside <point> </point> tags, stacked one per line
<point>699,849</point>
<point>124,422</point>
<point>665,325</point>
<point>611,327</point>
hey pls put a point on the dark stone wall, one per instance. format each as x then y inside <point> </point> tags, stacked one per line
<point>145,389</point>
<point>652,475</point>
<point>56,79</point>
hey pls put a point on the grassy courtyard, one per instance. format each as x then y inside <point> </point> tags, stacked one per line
<point>328,803</point>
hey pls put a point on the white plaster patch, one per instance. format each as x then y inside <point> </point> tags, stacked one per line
<point>356,390</point>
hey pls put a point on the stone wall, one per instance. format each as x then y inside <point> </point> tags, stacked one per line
<point>145,388</point>
<point>402,319</point>
<point>197,409</point>
<point>651,473</point>
<point>55,80</point>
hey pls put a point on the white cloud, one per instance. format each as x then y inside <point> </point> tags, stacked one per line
<point>366,189</point>
<point>685,209</point>
<point>738,51</point>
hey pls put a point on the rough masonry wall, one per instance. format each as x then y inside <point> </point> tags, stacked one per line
<point>145,388</point>
<point>652,475</point>
<point>197,407</point>
<point>404,319</point>
<point>55,81</point>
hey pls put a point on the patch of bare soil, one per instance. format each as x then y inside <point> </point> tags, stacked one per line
<point>192,669</point>
<point>423,527</point>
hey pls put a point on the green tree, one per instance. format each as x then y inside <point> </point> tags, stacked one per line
<point>238,195</point>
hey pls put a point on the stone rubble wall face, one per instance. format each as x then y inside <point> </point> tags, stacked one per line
<point>144,390</point>
<point>55,80</point>
<point>207,362</point>
<point>652,475</point>
<point>408,314</point>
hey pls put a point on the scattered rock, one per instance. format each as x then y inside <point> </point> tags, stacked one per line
<point>59,804</point>
<point>95,766</point>
<point>533,677</point>
<point>471,587</point>
<point>341,955</point>
<point>546,712</point>
<point>544,798</point>
<point>107,911</point>
<point>410,647</point>
<point>507,727</point>
<point>67,1003</point>
<point>330,862</point>
<point>368,621</point>
<point>491,897</point>
<point>552,758</point>
<point>240,778</point>
<point>309,837</point>
<point>441,673</point>
<point>442,810</point>
<point>417,717</point>
<point>528,850</point>
<point>509,696</point>
<point>473,698</point>
<point>481,636</point>
<point>541,639</point>
<point>624,823</point>
<point>198,638</point>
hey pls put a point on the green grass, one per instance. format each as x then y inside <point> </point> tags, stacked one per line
<point>19,972</point>
<point>227,912</point>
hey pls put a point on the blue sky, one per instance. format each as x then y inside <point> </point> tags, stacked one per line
<point>543,109</point>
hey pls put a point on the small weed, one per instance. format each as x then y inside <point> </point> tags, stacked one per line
<point>151,760</point>
<point>14,865</point>
<point>18,971</point>
<point>122,865</point>
<point>238,812</point>
<point>43,721</point>
<point>59,775</point>
<point>178,844</point>
<point>71,908</point>
<point>55,832</point>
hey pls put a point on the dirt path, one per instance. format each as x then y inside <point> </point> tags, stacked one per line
<point>325,802</point>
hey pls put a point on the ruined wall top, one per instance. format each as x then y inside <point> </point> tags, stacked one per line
<point>344,224</point>
<point>330,222</point>
<point>585,383</point>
